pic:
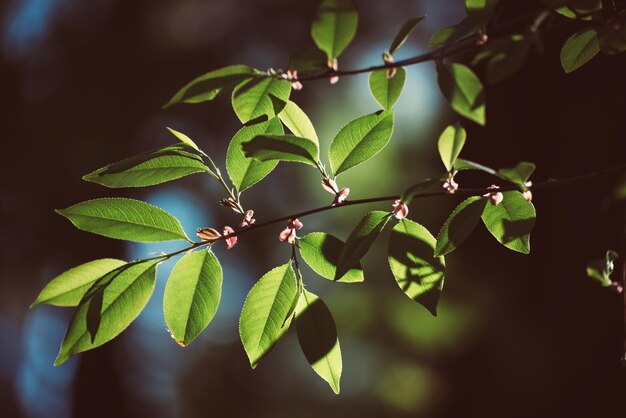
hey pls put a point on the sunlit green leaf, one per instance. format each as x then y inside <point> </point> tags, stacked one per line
<point>108,308</point>
<point>317,335</point>
<point>461,164</point>
<point>418,273</point>
<point>404,33</point>
<point>459,225</point>
<point>321,252</point>
<point>387,90</point>
<point>282,148</point>
<point>298,122</point>
<point>245,172</point>
<point>260,97</point>
<point>511,221</point>
<point>360,140</point>
<point>149,168</point>
<point>360,240</point>
<point>262,322</point>
<point>518,174</point>
<point>463,90</point>
<point>450,144</point>
<point>184,139</point>
<point>126,219</point>
<point>480,6</point>
<point>69,287</point>
<point>579,49</point>
<point>208,86</point>
<point>334,26</point>
<point>192,295</point>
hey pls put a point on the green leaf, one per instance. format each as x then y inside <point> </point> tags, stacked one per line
<point>262,322</point>
<point>579,49</point>
<point>308,61</point>
<point>360,240</point>
<point>210,85</point>
<point>450,144</point>
<point>185,139</point>
<point>334,26</point>
<point>126,219</point>
<point>461,164</point>
<point>463,90</point>
<point>504,56</point>
<point>404,33</point>
<point>149,168</point>
<point>418,273</point>
<point>321,252</point>
<point>360,140</point>
<point>282,148</point>
<point>511,221</point>
<point>245,172</point>
<point>518,174</point>
<point>192,295</point>
<point>387,91</point>
<point>480,6</point>
<point>459,225</point>
<point>595,270</point>
<point>260,97</point>
<point>68,288</point>
<point>108,308</point>
<point>317,335</point>
<point>298,122</point>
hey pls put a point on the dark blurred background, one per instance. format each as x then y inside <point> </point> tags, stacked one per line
<point>82,84</point>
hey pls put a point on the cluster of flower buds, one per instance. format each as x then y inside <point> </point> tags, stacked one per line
<point>450,185</point>
<point>494,197</point>
<point>331,187</point>
<point>528,195</point>
<point>400,209</point>
<point>482,38</point>
<point>289,233</point>
<point>333,65</point>
<point>247,219</point>
<point>210,235</point>
<point>388,59</point>
<point>231,203</point>
<point>292,75</point>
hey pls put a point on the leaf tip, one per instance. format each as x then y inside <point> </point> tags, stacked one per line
<point>181,343</point>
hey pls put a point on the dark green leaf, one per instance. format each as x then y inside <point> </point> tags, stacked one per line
<point>208,86</point>
<point>450,144</point>
<point>308,61</point>
<point>360,240</point>
<point>360,140</point>
<point>126,219</point>
<point>461,164</point>
<point>518,174</point>
<point>108,308</point>
<point>459,225</point>
<point>282,148</point>
<point>463,90</point>
<point>317,335</point>
<point>259,97</point>
<point>245,172</point>
<point>385,90</point>
<point>579,49</point>
<point>321,252</point>
<point>192,295</point>
<point>334,26</point>
<point>264,318</point>
<point>511,221</point>
<point>150,168</point>
<point>68,288</point>
<point>418,273</point>
<point>404,33</point>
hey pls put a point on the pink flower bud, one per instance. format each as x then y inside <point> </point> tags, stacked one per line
<point>495,197</point>
<point>330,185</point>
<point>334,79</point>
<point>289,234</point>
<point>229,241</point>
<point>387,57</point>
<point>450,186</point>
<point>208,234</point>
<point>528,195</point>
<point>400,209</point>
<point>341,196</point>
<point>247,219</point>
